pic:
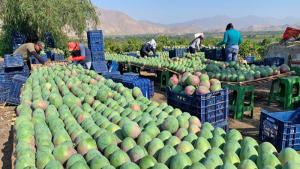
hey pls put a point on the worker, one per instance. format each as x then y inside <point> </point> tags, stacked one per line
<point>80,54</point>
<point>148,47</point>
<point>196,43</point>
<point>30,49</point>
<point>232,40</point>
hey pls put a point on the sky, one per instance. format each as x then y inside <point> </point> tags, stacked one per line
<point>175,11</point>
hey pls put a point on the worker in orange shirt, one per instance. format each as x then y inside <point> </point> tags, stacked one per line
<point>80,54</point>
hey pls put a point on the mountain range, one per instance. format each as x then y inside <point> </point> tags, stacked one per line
<point>118,23</point>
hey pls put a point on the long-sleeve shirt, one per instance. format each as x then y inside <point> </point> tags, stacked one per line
<point>147,47</point>
<point>232,37</point>
<point>196,43</point>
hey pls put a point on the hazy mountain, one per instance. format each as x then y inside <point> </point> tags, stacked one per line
<point>119,23</point>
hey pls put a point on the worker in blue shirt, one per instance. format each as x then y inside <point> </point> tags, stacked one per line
<point>232,40</point>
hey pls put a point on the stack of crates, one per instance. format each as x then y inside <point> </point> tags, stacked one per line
<point>13,65</point>
<point>96,46</point>
<point>212,107</point>
<point>15,90</point>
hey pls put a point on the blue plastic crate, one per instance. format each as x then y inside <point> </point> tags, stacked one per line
<point>49,40</point>
<point>215,54</point>
<point>176,53</point>
<point>116,78</point>
<point>15,90</point>
<point>4,92</point>
<point>277,61</point>
<point>222,124</point>
<point>282,129</point>
<point>110,75</point>
<point>95,40</point>
<point>98,56</point>
<point>145,85</point>
<point>58,57</point>
<point>250,59</point>
<point>94,33</point>
<point>5,80</point>
<point>33,60</point>
<point>99,67</point>
<point>96,47</point>
<point>13,61</point>
<point>212,107</point>
<point>113,66</point>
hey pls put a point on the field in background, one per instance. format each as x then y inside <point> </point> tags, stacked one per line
<point>255,43</point>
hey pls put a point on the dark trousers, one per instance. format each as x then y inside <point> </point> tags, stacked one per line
<point>192,50</point>
<point>144,53</point>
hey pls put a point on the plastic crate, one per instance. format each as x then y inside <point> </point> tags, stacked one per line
<point>94,35</point>
<point>110,74</point>
<point>212,107</point>
<point>146,85</point>
<point>277,61</point>
<point>250,59</point>
<point>49,40</point>
<point>98,56</point>
<point>95,40</point>
<point>99,66</point>
<point>33,60</point>
<point>114,66</point>
<point>116,78</point>
<point>282,129</point>
<point>222,124</point>
<point>13,61</point>
<point>96,46</point>
<point>4,92</point>
<point>259,63</point>
<point>15,90</point>
<point>58,57</point>
<point>215,54</point>
<point>176,53</point>
<point>6,76</point>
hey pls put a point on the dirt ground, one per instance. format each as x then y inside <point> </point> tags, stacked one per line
<point>248,126</point>
<point>7,117</point>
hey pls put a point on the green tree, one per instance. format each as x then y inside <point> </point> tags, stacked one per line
<point>32,17</point>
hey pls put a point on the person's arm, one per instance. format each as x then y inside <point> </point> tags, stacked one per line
<point>77,58</point>
<point>225,39</point>
<point>37,57</point>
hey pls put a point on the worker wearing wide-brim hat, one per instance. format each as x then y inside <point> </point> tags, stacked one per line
<point>147,48</point>
<point>196,43</point>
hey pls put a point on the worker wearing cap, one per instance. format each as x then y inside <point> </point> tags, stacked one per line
<point>80,54</point>
<point>232,40</point>
<point>30,49</point>
<point>196,43</point>
<point>147,48</point>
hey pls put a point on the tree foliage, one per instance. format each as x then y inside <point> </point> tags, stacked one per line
<point>33,18</point>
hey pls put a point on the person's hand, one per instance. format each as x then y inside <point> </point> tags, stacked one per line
<point>47,62</point>
<point>69,59</point>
